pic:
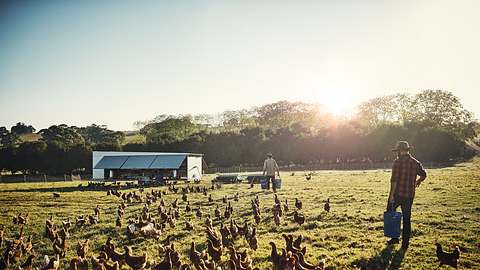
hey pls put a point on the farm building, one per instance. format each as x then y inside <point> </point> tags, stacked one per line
<point>141,165</point>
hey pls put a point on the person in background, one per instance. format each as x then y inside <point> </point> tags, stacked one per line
<point>270,166</point>
<point>402,187</point>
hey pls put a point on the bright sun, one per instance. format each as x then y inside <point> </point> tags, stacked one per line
<point>336,102</point>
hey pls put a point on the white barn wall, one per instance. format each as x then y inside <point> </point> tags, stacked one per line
<point>194,167</point>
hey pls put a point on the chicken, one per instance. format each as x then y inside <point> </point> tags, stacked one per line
<point>107,266</point>
<point>276,219</point>
<point>285,206</point>
<point>218,214</point>
<point>253,240</point>
<point>135,262</point>
<point>60,247</point>
<point>20,220</point>
<point>446,257</point>
<point>97,265</point>
<point>51,263</point>
<point>236,197</point>
<point>233,228</point>
<point>208,222</point>
<point>78,263</point>
<point>1,237</point>
<point>82,248</point>
<point>166,264</point>
<point>302,264</point>
<point>195,256</point>
<point>49,221</point>
<point>97,211</point>
<point>298,241</point>
<point>27,247</point>
<point>188,225</point>
<point>118,222</point>
<point>92,219</point>
<point>27,265</point>
<point>199,213</point>
<point>66,224</point>
<point>277,260</point>
<point>277,201</point>
<point>290,247</point>
<point>298,218</point>
<point>210,199</point>
<point>326,207</point>
<point>298,204</point>
<point>112,254</point>
<point>257,218</point>
<point>187,208</point>
<point>215,253</point>
<point>227,214</point>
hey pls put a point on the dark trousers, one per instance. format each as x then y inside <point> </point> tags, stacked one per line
<point>406,206</point>
<point>271,178</point>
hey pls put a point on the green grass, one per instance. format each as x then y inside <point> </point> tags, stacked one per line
<point>446,209</point>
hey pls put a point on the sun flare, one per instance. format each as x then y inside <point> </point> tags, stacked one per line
<point>336,102</point>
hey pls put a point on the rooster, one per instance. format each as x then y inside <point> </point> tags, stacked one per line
<point>326,207</point>
<point>446,257</point>
<point>135,262</point>
<point>298,204</point>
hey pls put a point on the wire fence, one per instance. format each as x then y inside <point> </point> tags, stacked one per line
<point>19,178</point>
<point>319,167</point>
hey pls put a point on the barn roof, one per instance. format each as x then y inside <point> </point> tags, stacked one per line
<point>142,162</point>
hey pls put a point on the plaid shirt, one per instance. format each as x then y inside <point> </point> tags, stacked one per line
<point>404,172</point>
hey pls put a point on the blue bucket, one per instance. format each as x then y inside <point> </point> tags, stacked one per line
<point>277,183</point>
<point>264,183</point>
<point>391,224</point>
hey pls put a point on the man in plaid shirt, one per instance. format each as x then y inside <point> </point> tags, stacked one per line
<point>402,188</point>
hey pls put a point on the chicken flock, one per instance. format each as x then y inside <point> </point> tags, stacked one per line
<point>156,220</point>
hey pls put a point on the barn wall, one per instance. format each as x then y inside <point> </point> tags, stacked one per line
<point>194,167</point>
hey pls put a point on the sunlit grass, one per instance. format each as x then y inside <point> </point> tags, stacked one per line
<point>446,210</point>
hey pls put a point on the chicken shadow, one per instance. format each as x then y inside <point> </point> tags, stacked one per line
<point>387,259</point>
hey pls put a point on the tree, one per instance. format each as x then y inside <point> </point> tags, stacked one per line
<point>20,128</point>
<point>442,109</point>
<point>169,130</point>
<point>100,134</point>
<point>29,157</point>
<point>8,139</point>
<point>386,109</point>
<point>62,134</point>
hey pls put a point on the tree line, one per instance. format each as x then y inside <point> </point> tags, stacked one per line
<point>433,121</point>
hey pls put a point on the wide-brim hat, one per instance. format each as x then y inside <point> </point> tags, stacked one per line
<point>269,155</point>
<point>402,145</point>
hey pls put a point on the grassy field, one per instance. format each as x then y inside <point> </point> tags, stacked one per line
<point>446,210</point>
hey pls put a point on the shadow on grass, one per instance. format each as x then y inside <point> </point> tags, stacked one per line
<point>387,259</point>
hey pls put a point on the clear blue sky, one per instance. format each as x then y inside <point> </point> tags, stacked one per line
<point>115,62</point>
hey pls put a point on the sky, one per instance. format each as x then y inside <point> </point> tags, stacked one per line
<point>117,62</point>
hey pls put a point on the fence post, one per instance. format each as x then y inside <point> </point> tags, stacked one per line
<point>24,178</point>
<point>44,178</point>
<point>64,178</point>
